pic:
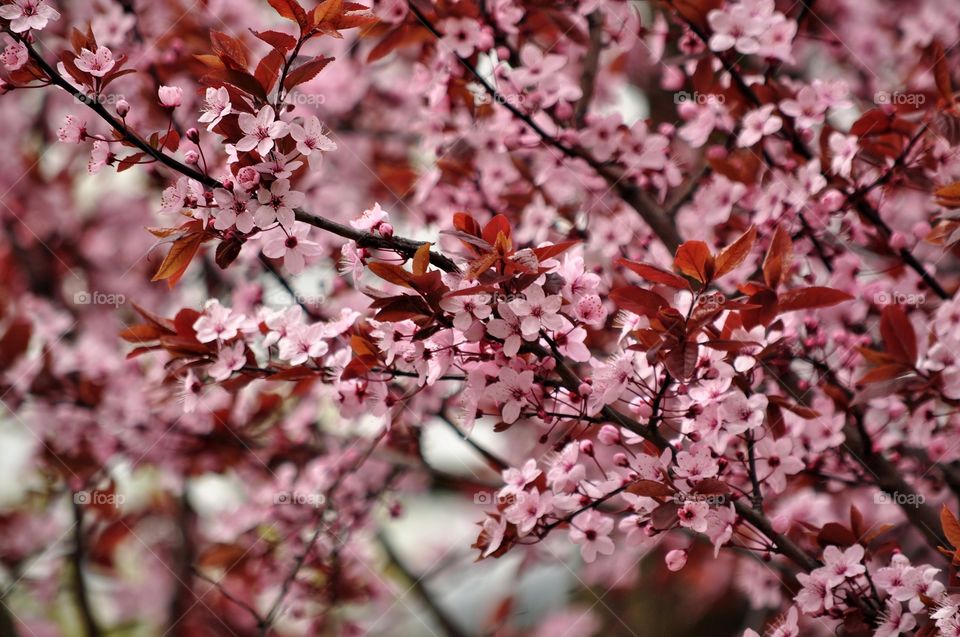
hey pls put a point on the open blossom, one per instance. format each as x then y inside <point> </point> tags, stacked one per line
<point>230,359</point>
<point>261,131</point>
<point>218,323</point>
<point>757,124</point>
<point>591,531</point>
<point>216,106</point>
<point>775,461</point>
<point>293,247</point>
<point>310,137</point>
<point>512,391</point>
<point>73,130</point>
<point>371,218</point>
<point>462,35</point>
<point>278,204</point>
<point>99,157</point>
<point>844,148</point>
<point>232,209</point>
<point>303,342</point>
<point>467,308</point>
<point>528,509</point>
<point>14,56</point>
<point>537,311</point>
<point>28,14</point>
<point>97,63</point>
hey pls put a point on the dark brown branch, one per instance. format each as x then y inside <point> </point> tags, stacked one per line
<point>80,590</point>
<point>591,66</point>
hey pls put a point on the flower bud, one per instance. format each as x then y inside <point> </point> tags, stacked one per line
<point>586,447</point>
<point>248,178</point>
<point>170,96</point>
<point>193,135</point>
<point>191,157</point>
<point>385,229</point>
<point>585,389</point>
<point>123,107</point>
<point>609,435</point>
<point>676,559</point>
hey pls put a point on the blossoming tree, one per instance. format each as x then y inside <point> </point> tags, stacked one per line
<point>672,282</point>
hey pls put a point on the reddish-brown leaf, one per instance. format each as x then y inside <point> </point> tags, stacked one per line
<point>421,259</point>
<point>639,301</point>
<point>778,259</point>
<point>656,275</point>
<point>941,73</point>
<point>268,70</point>
<point>951,526</point>
<point>809,298</point>
<point>391,272</point>
<point>734,254</point>
<point>898,334</point>
<point>229,49</point>
<point>291,10</point>
<point>693,259</point>
<point>178,258</point>
<point>650,489</point>
<point>548,252</point>
<point>276,39</point>
<point>495,227</point>
<point>305,72</point>
<point>14,342</point>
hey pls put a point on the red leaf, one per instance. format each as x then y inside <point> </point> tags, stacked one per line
<point>548,252</point>
<point>276,39</point>
<point>639,301</point>
<point>650,489</point>
<point>777,262</point>
<point>694,260</point>
<point>734,254</point>
<point>496,226</point>
<point>656,275</point>
<point>951,526</point>
<point>306,72</point>
<point>178,259</point>
<point>809,298</point>
<point>269,69</point>
<point>898,334</point>
<point>229,48</point>
<point>291,10</point>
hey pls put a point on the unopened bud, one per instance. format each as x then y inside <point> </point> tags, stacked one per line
<point>191,157</point>
<point>385,229</point>
<point>193,135</point>
<point>586,447</point>
<point>123,107</point>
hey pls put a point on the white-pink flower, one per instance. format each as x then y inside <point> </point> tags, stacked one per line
<point>310,137</point>
<point>97,63</point>
<point>73,130</point>
<point>261,131</point>
<point>99,156</point>
<point>370,218</point>
<point>512,392</point>
<point>170,96</point>
<point>843,149</point>
<point>757,124</point>
<point>529,507</point>
<point>842,565</point>
<point>28,14</point>
<point>591,531</point>
<point>277,204</point>
<point>217,323</point>
<point>466,309</point>
<point>230,359</point>
<point>303,342</point>
<point>15,56</point>
<point>537,311</point>
<point>516,480</point>
<point>216,106</point>
<point>294,248</point>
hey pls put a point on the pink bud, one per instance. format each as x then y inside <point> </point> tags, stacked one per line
<point>385,229</point>
<point>921,229</point>
<point>549,364</point>
<point>621,460</point>
<point>123,107</point>
<point>609,435</point>
<point>586,447</point>
<point>676,559</point>
<point>191,157</point>
<point>781,524</point>
<point>585,389</point>
<point>248,177</point>
<point>170,96</point>
<point>898,241</point>
<point>193,135</point>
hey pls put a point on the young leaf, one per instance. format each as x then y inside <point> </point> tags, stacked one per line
<point>898,334</point>
<point>778,259</point>
<point>809,298</point>
<point>695,261</point>
<point>421,259</point>
<point>639,301</point>
<point>305,72</point>
<point>734,254</point>
<point>178,259</point>
<point>656,275</point>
